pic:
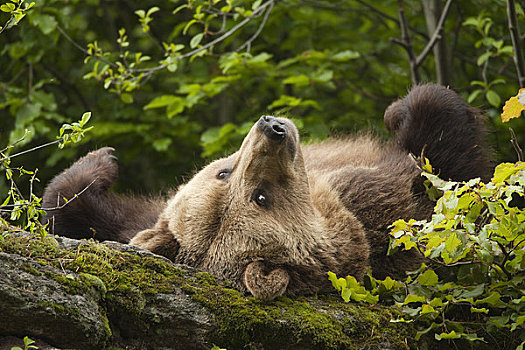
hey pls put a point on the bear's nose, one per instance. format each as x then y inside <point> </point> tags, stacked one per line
<point>272,128</point>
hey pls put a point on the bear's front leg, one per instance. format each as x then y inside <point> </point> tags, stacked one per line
<point>159,240</point>
<point>262,285</point>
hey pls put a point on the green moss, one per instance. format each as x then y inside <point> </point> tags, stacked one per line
<point>287,321</point>
<point>59,309</point>
<point>29,268</point>
<point>107,327</point>
<point>29,246</point>
<point>126,279</point>
<point>94,281</point>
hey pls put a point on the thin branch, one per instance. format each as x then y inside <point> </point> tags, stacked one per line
<point>58,207</point>
<point>75,44</point>
<point>31,149</point>
<point>72,199</point>
<point>387,16</point>
<point>11,145</point>
<point>248,43</point>
<point>436,36</point>
<point>468,59</point>
<point>405,37</point>
<point>7,24</point>
<point>33,178</point>
<point>515,36</point>
<point>516,145</point>
<point>502,264</point>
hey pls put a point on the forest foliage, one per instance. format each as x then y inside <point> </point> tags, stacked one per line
<point>172,84</point>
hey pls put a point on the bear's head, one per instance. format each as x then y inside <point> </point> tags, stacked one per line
<point>256,219</point>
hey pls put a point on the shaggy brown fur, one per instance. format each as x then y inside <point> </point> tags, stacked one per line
<point>274,217</point>
<point>93,211</point>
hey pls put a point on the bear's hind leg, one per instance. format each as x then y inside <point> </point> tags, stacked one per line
<point>437,123</point>
<point>77,202</point>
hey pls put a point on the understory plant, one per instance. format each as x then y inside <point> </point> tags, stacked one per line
<point>472,283</point>
<point>24,210</point>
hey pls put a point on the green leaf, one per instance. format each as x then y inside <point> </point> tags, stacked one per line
<point>451,335</point>
<point>256,4</point>
<point>505,170</point>
<point>179,8</point>
<point>161,145</point>
<point>427,309</point>
<point>9,7</point>
<point>297,80</point>
<point>345,56</point>
<point>152,10</point>
<point>493,98</point>
<point>483,58</point>
<point>481,310</point>
<point>428,278</point>
<point>494,299</point>
<point>345,294</point>
<point>195,41</point>
<point>452,242</point>
<point>126,98</point>
<point>388,283</point>
<point>176,107</point>
<point>45,23</point>
<point>162,101</point>
<point>85,119</point>
<point>519,321</point>
<point>333,278</point>
<point>473,95</point>
<point>414,299</point>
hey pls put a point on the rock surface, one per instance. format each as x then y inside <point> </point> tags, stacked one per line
<point>77,294</point>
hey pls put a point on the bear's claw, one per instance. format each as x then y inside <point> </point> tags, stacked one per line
<point>265,286</point>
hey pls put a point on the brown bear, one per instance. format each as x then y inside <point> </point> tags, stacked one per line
<point>275,216</point>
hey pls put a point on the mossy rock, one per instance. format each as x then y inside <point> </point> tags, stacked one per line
<point>87,295</point>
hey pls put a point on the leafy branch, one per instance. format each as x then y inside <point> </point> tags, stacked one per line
<point>17,12</point>
<point>125,77</point>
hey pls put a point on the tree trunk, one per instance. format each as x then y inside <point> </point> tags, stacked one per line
<point>442,57</point>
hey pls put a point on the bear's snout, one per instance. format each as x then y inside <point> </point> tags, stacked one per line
<point>272,128</point>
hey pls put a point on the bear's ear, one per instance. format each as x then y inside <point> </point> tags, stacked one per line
<point>158,240</point>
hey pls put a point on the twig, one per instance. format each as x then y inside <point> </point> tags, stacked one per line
<point>502,264</point>
<point>11,146</point>
<point>248,43</point>
<point>100,58</point>
<point>72,199</point>
<point>7,24</point>
<point>31,149</point>
<point>406,43</point>
<point>516,42</point>
<point>436,36</point>
<point>31,184</point>
<point>30,82</point>
<point>516,145</point>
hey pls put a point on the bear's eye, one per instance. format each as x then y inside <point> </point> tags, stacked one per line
<point>223,174</point>
<point>260,198</point>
